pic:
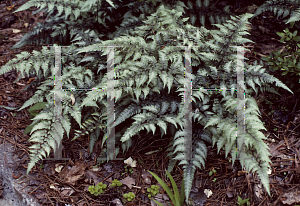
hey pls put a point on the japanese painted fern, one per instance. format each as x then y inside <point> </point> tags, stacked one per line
<point>283,9</point>
<point>143,70</point>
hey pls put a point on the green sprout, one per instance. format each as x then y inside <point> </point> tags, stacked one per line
<point>286,61</point>
<point>127,170</point>
<point>242,202</point>
<point>129,196</point>
<point>153,190</point>
<point>116,182</point>
<point>98,189</point>
<point>213,171</point>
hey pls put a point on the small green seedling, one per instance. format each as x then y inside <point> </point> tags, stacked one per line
<point>127,170</point>
<point>153,190</point>
<point>242,202</point>
<point>129,196</point>
<point>98,189</point>
<point>116,182</point>
<point>213,171</point>
<point>287,60</point>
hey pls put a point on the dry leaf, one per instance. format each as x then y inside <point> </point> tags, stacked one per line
<point>258,191</point>
<point>130,162</point>
<point>291,197</point>
<point>72,98</point>
<point>251,9</point>
<point>128,181</point>
<point>91,175</point>
<point>117,202</point>
<point>95,169</point>
<point>208,192</point>
<point>67,191</point>
<point>31,79</point>
<point>161,198</point>
<point>58,167</point>
<point>53,187</point>
<point>263,29</point>
<point>10,7</point>
<point>71,175</point>
<point>269,171</point>
<point>240,173</point>
<point>15,31</point>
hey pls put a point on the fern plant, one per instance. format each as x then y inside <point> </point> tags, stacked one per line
<point>151,105</point>
<point>206,10</point>
<point>44,130</point>
<point>108,20</point>
<point>199,12</point>
<point>283,9</point>
<point>66,18</point>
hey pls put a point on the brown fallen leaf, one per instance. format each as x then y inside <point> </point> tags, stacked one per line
<point>264,29</point>
<point>31,79</point>
<point>291,197</point>
<point>73,174</point>
<point>128,181</point>
<point>10,7</point>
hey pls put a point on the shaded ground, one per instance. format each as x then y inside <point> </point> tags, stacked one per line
<point>69,185</point>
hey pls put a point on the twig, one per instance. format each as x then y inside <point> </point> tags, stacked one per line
<point>295,106</point>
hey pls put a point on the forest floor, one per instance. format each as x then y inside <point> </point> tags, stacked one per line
<point>52,185</point>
